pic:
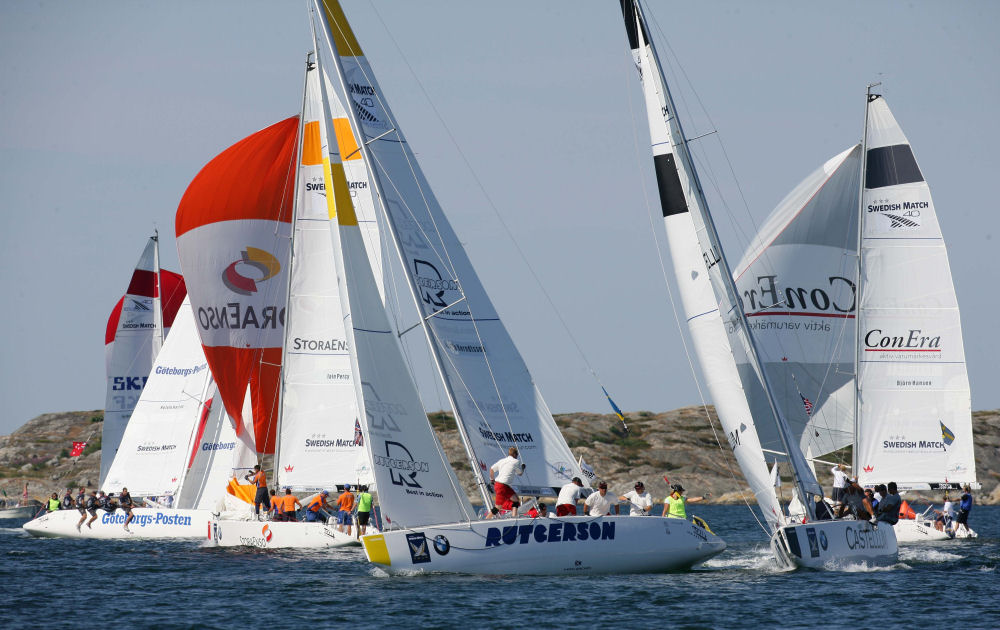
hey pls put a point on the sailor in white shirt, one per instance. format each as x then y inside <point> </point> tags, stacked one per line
<point>639,500</point>
<point>599,503</point>
<point>501,474</point>
<point>839,482</point>
<point>568,496</point>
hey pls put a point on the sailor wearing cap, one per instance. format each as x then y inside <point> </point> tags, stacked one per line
<point>316,509</point>
<point>599,503</point>
<point>640,503</point>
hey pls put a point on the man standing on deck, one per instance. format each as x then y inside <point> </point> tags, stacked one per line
<point>964,507</point>
<point>364,510</point>
<point>345,505</point>
<point>569,494</point>
<point>501,474</point>
<point>839,483</point>
<point>289,503</point>
<point>599,503</point>
<point>640,503</point>
<point>258,478</point>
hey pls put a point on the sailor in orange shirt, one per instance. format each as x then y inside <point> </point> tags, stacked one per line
<point>316,510</point>
<point>275,509</point>
<point>289,503</point>
<point>345,505</point>
<point>258,478</point>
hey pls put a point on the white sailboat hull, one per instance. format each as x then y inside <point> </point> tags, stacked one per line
<point>148,523</point>
<point>25,511</point>
<point>834,544</point>
<point>277,535</point>
<point>570,545</point>
<point>922,530</point>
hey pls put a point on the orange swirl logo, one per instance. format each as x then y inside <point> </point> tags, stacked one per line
<point>266,531</point>
<point>264,262</point>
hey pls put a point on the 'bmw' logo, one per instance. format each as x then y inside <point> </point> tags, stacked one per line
<point>441,545</point>
<point>822,540</point>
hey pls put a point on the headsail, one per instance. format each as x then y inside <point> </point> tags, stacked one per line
<point>915,424</point>
<point>416,483</point>
<point>488,383</point>
<point>232,230</point>
<point>797,282</point>
<point>133,337</point>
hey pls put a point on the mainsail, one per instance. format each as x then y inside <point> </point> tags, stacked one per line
<point>701,309</point>
<point>797,282</point>
<point>914,405</point>
<point>233,237</point>
<point>494,397</point>
<point>136,329</point>
<point>318,446</point>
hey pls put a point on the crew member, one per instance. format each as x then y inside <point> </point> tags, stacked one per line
<point>888,506</point>
<point>258,478</point>
<point>316,509</point>
<point>501,474</point>
<point>675,505</point>
<point>81,506</point>
<point>67,500</point>
<point>542,511</point>
<point>345,505</point>
<point>125,502</point>
<point>569,494</point>
<point>964,507</point>
<point>275,505</point>
<point>289,504</point>
<point>53,505</point>
<point>364,510</point>
<point>93,502</point>
<point>640,503</point>
<point>599,503</point>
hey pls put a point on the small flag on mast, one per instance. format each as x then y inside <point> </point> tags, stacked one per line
<point>618,412</point>
<point>77,449</point>
<point>946,435</point>
<point>807,404</point>
<point>359,439</point>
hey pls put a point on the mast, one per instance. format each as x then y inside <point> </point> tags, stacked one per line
<point>157,297</point>
<point>715,255</point>
<point>291,261</point>
<point>376,180</point>
<point>861,277</point>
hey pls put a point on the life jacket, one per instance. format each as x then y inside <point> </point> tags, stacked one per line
<point>54,505</point>
<point>92,502</point>
<point>677,509</point>
<point>81,500</point>
<point>125,500</point>
<point>67,502</point>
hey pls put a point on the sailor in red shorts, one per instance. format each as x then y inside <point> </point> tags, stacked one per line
<point>501,474</point>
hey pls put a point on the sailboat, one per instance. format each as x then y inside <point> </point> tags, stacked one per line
<point>139,323</point>
<point>178,447</point>
<point>724,340</point>
<point>320,443</point>
<point>908,414</point>
<point>429,523</point>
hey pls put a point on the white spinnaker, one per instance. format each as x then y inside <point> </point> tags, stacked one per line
<point>416,484</point>
<point>155,449</point>
<point>701,310</point>
<point>797,283</point>
<point>914,424</point>
<point>216,454</point>
<point>136,342</point>
<point>319,411</point>
<point>493,394</point>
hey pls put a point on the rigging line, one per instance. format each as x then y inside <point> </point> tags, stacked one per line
<point>493,207</point>
<point>673,306</point>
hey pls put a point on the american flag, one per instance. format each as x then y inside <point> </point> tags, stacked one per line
<point>807,404</point>
<point>359,440</point>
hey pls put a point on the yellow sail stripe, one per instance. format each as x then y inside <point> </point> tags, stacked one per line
<point>312,152</point>
<point>376,549</point>
<point>343,37</point>
<point>338,205</point>
<point>345,140</point>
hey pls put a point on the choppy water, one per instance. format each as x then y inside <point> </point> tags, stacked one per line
<point>52,582</point>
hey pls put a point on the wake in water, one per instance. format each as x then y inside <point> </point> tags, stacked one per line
<point>757,558</point>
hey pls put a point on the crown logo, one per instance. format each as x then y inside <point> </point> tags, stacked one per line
<point>289,468</point>
<point>868,469</point>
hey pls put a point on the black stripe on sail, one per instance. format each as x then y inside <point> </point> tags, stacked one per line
<point>669,184</point>
<point>889,166</point>
<point>629,14</point>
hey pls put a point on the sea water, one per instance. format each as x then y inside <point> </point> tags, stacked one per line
<point>181,584</point>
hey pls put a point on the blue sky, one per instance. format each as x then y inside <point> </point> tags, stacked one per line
<point>110,109</point>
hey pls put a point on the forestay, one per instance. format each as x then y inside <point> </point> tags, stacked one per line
<point>915,424</point>
<point>797,281</point>
<point>321,443</point>
<point>491,390</point>
<point>416,483</point>
<point>701,310</point>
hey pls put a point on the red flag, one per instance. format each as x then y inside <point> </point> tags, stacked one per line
<point>77,449</point>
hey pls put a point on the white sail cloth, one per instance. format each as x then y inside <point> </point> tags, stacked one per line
<point>915,424</point>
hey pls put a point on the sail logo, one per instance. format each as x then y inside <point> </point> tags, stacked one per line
<point>403,468</point>
<point>155,448</point>
<point>901,215</point>
<point>505,436</point>
<point>176,371</point>
<point>218,446</point>
<point>869,468</point>
<point>262,262</point>
<point>127,383</point>
<point>329,345</point>
<point>771,298</point>
<point>144,305</point>
<point>366,105</point>
<point>432,284</point>
<point>379,412</point>
<point>323,442</point>
<point>903,444</point>
<point>913,341</point>
<point>553,533</point>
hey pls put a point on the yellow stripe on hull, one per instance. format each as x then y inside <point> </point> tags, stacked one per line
<point>376,549</point>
